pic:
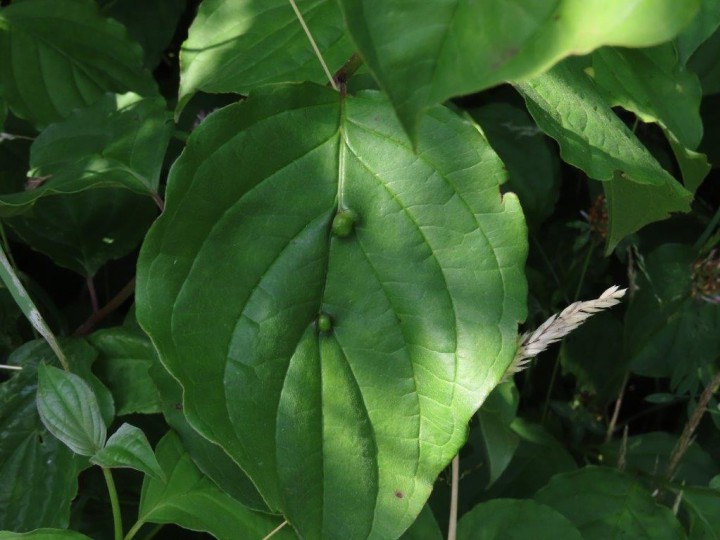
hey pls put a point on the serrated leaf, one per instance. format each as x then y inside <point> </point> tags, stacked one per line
<point>126,355</point>
<point>422,297</point>
<point>236,45</point>
<point>192,501</point>
<point>38,473</point>
<point>533,166</point>
<point>70,411</point>
<point>44,534</point>
<point>653,84</point>
<point>569,108</point>
<point>119,141</point>
<point>604,503</point>
<point>453,47</point>
<point>128,447</point>
<point>424,527</point>
<point>152,23</point>
<point>209,457</point>
<point>500,519</point>
<point>83,231</point>
<point>58,55</point>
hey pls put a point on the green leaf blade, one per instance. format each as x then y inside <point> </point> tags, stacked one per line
<point>70,411</point>
<point>128,447</point>
<point>397,374</point>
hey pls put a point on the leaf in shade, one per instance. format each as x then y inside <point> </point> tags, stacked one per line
<point>501,519</point>
<point>58,55</point>
<point>235,46</point>
<point>70,411</point>
<point>424,52</point>
<point>129,447</point>
<point>700,29</point>
<point>194,502</point>
<point>424,528</point>
<point>347,349</point>
<point>605,503</point>
<point>703,509</point>
<point>44,534</point>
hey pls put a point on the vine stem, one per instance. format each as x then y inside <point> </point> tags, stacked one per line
<point>454,489</point>
<point>314,45</point>
<point>107,309</point>
<point>275,530</point>
<point>114,503</point>
<point>693,422</point>
<point>90,281</point>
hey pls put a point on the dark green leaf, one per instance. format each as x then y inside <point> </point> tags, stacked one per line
<point>235,46</point>
<point>593,354</point>
<point>424,298</point>
<point>423,53</point>
<point>568,107</point>
<point>706,63</point>
<point>499,441</point>
<point>703,507</point>
<point>70,411</point>
<point>85,230</point>
<point>701,28</point>
<point>424,528</point>
<point>58,55</point>
<point>192,501</point>
<point>38,476</point>
<point>533,167</point>
<point>128,447</point>
<point>502,519</point>
<point>152,23</point>
<point>44,534</point>
<point>119,141</point>
<point>650,453</point>
<point>604,503</point>
<point>126,355</point>
<point>207,456</point>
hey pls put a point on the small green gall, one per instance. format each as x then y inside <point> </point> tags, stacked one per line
<point>324,323</point>
<point>344,223</point>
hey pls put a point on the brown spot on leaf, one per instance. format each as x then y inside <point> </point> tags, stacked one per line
<point>399,494</point>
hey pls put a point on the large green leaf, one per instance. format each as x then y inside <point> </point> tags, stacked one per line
<point>70,411</point>
<point>424,528</point>
<point>38,473</point>
<point>152,23</point>
<point>501,519</point>
<point>703,507</point>
<point>706,63</point>
<point>567,106</point>
<point>321,355</point>
<point>119,141</point>
<point>654,85</point>
<point>210,458</point>
<point>126,355</point>
<point>192,501</point>
<point>604,503</point>
<point>423,52</point>
<point>58,55</point>
<point>236,45</point>
<point>701,28</point>
<point>84,230</point>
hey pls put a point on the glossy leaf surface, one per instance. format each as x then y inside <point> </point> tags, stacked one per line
<point>604,503</point>
<point>128,447</point>
<point>236,45</point>
<point>570,109</point>
<point>424,52</point>
<point>501,519</point>
<point>58,55</point>
<point>192,501</point>
<point>422,299</point>
<point>70,411</point>
<point>38,473</point>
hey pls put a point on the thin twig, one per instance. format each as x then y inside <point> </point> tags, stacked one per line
<point>275,530</point>
<point>616,411</point>
<point>314,45</point>
<point>90,282</point>
<point>347,69</point>
<point>106,310</point>
<point>454,488</point>
<point>693,422</point>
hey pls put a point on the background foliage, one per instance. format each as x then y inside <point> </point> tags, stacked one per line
<point>283,301</point>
